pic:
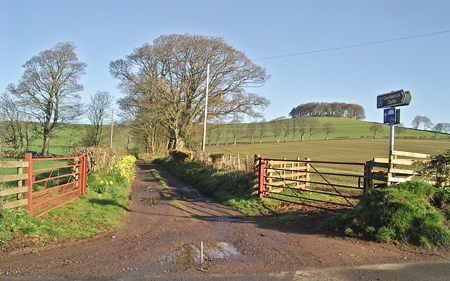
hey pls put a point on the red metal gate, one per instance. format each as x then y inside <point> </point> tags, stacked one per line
<point>56,184</point>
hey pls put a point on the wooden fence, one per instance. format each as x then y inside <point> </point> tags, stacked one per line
<point>54,189</point>
<point>400,167</point>
<point>19,178</point>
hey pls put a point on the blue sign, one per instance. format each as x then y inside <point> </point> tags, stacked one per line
<point>379,102</point>
<point>389,116</point>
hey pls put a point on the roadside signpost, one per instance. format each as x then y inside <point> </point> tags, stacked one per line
<point>392,99</point>
<point>391,115</point>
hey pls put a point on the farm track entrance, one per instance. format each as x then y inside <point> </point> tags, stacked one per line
<point>335,186</point>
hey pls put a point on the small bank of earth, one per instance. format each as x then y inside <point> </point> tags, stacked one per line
<point>162,234</point>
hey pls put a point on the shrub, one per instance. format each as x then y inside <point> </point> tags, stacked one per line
<point>215,157</point>
<point>180,155</point>
<point>439,168</point>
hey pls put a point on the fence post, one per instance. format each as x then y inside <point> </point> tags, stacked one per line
<point>29,182</point>
<point>262,176</point>
<point>366,177</point>
<point>308,169</point>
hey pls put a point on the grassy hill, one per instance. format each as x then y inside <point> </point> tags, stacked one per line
<point>71,135</point>
<point>346,150</point>
<point>343,128</point>
<point>352,140</point>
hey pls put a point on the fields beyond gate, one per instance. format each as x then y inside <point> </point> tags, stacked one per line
<point>348,150</point>
<point>356,151</point>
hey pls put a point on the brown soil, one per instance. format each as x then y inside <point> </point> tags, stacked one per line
<point>160,238</point>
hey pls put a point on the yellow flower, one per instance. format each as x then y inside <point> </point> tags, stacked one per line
<point>110,182</point>
<point>101,182</point>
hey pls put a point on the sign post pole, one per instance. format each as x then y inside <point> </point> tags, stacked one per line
<point>392,116</point>
<point>392,137</point>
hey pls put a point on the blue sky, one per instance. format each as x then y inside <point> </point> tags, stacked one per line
<point>294,32</point>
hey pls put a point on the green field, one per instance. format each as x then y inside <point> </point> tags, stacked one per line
<point>345,150</point>
<point>344,128</point>
<point>70,135</point>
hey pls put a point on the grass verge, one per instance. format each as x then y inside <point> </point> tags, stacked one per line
<point>100,209</point>
<point>229,187</point>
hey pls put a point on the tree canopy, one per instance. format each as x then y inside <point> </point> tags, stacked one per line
<point>166,81</point>
<point>335,109</point>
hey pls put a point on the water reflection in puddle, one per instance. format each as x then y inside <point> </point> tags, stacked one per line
<point>150,201</point>
<point>190,253</point>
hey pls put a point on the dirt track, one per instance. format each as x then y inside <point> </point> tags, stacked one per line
<point>161,240</point>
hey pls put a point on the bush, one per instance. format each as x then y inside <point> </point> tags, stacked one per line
<point>441,198</point>
<point>400,213</point>
<point>180,155</point>
<point>439,168</point>
<point>215,157</point>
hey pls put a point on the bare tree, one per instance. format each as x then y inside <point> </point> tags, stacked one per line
<point>251,129</point>
<point>98,111</point>
<point>261,129</point>
<point>11,125</point>
<point>277,126</point>
<point>286,128</point>
<point>236,128</point>
<point>375,128</point>
<point>441,128</point>
<point>48,88</point>
<point>416,122</point>
<point>400,129</point>
<point>300,125</point>
<point>427,124</point>
<point>313,126</point>
<point>170,78</point>
<point>328,128</point>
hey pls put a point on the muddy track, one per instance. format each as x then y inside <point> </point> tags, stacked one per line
<point>163,241</point>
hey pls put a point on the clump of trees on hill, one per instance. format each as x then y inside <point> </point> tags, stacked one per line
<point>334,109</point>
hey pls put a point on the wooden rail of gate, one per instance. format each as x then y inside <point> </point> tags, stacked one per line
<point>400,167</point>
<point>296,175</point>
<point>69,186</point>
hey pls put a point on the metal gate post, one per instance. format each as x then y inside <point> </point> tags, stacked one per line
<point>262,176</point>
<point>29,182</point>
<point>83,173</point>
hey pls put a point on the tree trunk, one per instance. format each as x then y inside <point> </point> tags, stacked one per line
<point>45,145</point>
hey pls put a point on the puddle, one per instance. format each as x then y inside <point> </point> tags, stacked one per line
<point>190,253</point>
<point>150,201</point>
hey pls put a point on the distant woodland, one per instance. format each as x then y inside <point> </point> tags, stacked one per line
<point>324,109</point>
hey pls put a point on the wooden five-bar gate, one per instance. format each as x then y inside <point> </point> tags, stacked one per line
<point>335,186</point>
<point>57,182</point>
<point>319,184</point>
